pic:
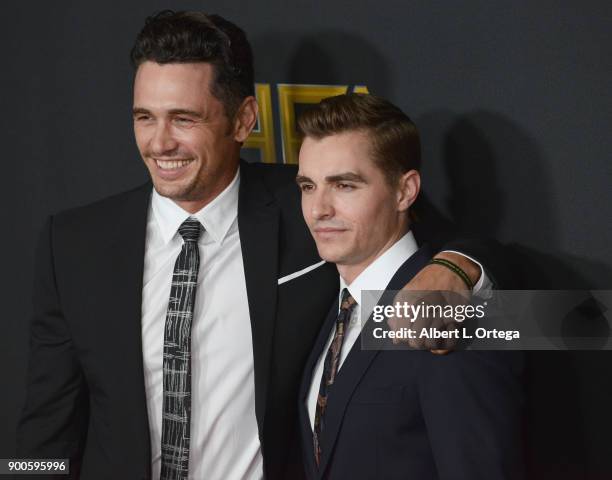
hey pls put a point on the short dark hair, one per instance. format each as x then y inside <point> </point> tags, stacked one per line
<point>395,143</point>
<point>191,37</point>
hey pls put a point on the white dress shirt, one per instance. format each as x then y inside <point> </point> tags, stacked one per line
<point>224,437</point>
<point>376,276</point>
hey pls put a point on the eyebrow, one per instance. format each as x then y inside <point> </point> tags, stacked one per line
<point>183,111</point>
<point>173,111</point>
<point>344,177</point>
<point>341,177</point>
<point>136,111</point>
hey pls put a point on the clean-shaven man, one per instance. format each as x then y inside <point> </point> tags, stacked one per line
<point>370,414</point>
<point>172,322</point>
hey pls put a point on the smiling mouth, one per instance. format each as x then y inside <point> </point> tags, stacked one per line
<point>172,164</point>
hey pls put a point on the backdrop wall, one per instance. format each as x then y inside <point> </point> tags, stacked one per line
<point>512,100</point>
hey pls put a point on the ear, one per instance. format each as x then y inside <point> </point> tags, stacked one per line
<point>245,119</point>
<point>408,189</point>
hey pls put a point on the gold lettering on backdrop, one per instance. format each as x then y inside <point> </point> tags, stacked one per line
<point>288,96</point>
<point>262,138</point>
<point>361,89</point>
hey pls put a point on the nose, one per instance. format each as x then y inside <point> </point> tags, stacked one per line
<point>322,207</point>
<point>163,143</point>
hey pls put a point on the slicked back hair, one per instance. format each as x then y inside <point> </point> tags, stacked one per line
<point>395,143</point>
<point>192,37</point>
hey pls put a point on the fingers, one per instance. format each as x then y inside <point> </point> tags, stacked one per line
<point>428,320</point>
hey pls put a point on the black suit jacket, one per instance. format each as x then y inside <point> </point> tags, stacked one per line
<point>85,390</point>
<point>396,414</point>
<point>85,395</point>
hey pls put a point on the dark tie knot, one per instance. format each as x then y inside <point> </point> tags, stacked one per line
<point>190,230</point>
<point>347,302</point>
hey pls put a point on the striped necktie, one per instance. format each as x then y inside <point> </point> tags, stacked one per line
<point>330,368</point>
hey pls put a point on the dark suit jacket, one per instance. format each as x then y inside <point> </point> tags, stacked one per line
<point>85,390</point>
<point>395,414</point>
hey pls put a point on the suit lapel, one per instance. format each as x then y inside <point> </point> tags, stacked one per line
<point>315,354</point>
<point>121,283</point>
<point>357,362</point>
<point>258,224</point>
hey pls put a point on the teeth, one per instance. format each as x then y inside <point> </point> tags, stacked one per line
<point>171,164</point>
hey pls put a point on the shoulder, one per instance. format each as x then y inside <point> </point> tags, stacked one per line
<point>104,214</point>
<point>276,177</point>
<point>273,181</point>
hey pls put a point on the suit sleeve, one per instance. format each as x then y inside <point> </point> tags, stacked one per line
<point>53,423</point>
<point>491,255</point>
<point>472,407</point>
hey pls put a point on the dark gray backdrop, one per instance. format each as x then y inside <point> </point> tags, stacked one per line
<point>512,100</point>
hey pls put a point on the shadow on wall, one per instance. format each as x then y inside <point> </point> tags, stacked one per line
<point>497,185</point>
<point>327,57</point>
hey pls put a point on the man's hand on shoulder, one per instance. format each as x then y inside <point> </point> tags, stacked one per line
<point>436,277</point>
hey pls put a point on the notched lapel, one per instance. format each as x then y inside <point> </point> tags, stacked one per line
<point>354,368</point>
<point>258,225</point>
<point>358,361</point>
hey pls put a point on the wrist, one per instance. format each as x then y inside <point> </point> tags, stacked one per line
<point>471,269</point>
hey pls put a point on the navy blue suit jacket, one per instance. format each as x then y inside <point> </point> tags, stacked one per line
<point>411,414</point>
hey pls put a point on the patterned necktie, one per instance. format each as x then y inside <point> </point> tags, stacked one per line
<point>330,368</point>
<point>176,410</point>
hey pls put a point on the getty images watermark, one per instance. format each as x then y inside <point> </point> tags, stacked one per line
<point>507,320</point>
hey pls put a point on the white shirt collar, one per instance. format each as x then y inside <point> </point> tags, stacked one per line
<point>216,217</point>
<point>379,273</point>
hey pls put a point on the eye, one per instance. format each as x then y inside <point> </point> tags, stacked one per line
<point>345,186</point>
<point>183,120</point>
<point>142,117</point>
<point>306,187</point>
